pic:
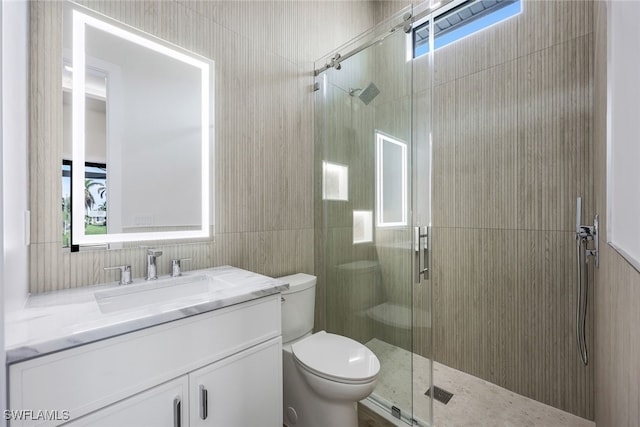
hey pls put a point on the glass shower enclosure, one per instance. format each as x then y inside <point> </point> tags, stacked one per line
<point>373,212</point>
<point>509,106</point>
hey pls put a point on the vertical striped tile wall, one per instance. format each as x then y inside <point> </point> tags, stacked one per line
<point>512,151</point>
<point>616,352</point>
<point>263,53</point>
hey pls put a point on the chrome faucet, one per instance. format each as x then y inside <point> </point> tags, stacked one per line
<point>152,254</point>
<point>125,274</point>
<point>176,266</point>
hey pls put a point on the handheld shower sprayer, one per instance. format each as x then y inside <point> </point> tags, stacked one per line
<point>584,234</point>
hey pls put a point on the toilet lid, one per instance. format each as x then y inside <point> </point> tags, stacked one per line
<point>336,357</point>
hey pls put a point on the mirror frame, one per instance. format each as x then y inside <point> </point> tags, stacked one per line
<point>83,17</point>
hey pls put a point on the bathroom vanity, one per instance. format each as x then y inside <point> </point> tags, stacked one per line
<point>211,356</point>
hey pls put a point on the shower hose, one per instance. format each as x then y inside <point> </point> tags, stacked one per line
<point>581,300</point>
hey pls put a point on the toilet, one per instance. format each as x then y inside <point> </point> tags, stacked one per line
<point>324,375</point>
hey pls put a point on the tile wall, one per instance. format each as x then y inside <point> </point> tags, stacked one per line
<point>512,111</point>
<point>616,294</point>
<point>512,149</point>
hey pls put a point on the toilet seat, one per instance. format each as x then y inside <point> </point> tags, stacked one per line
<point>336,358</point>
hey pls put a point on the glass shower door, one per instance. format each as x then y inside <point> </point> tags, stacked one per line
<point>367,210</point>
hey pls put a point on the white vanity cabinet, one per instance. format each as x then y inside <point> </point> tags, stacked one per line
<point>152,377</point>
<point>238,391</point>
<point>161,406</point>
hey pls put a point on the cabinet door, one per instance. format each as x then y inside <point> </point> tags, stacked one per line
<point>163,405</point>
<point>243,390</point>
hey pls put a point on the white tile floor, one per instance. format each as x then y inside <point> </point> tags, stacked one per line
<point>475,402</point>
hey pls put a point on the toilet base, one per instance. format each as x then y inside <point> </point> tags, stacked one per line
<point>344,415</point>
<point>302,407</point>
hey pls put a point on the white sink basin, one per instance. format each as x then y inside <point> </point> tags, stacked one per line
<point>157,292</point>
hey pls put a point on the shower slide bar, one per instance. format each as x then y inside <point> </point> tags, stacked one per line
<point>584,234</point>
<point>408,19</point>
<point>335,61</point>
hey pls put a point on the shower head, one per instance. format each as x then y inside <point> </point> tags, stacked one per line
<point>369,93</point>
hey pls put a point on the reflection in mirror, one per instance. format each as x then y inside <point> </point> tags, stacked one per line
<point>95,154</point>
<point>139,109</point>
<point>391,181</point>
<point>95,199</point>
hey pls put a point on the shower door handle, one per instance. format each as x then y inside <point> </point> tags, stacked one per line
<point>421,249</point>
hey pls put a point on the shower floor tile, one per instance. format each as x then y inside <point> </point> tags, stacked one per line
<point>394,380</point>
<point>475,402</point>
<point>479,402</point>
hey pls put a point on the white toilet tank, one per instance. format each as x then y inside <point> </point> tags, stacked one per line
<point>298,306</point>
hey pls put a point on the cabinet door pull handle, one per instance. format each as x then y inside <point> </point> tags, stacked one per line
<point>204,403</point>
<point>177,412</point>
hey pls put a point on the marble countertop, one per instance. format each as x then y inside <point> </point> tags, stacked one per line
<point>64,319</point>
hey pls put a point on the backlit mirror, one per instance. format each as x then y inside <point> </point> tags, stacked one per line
<point>138,134</point>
